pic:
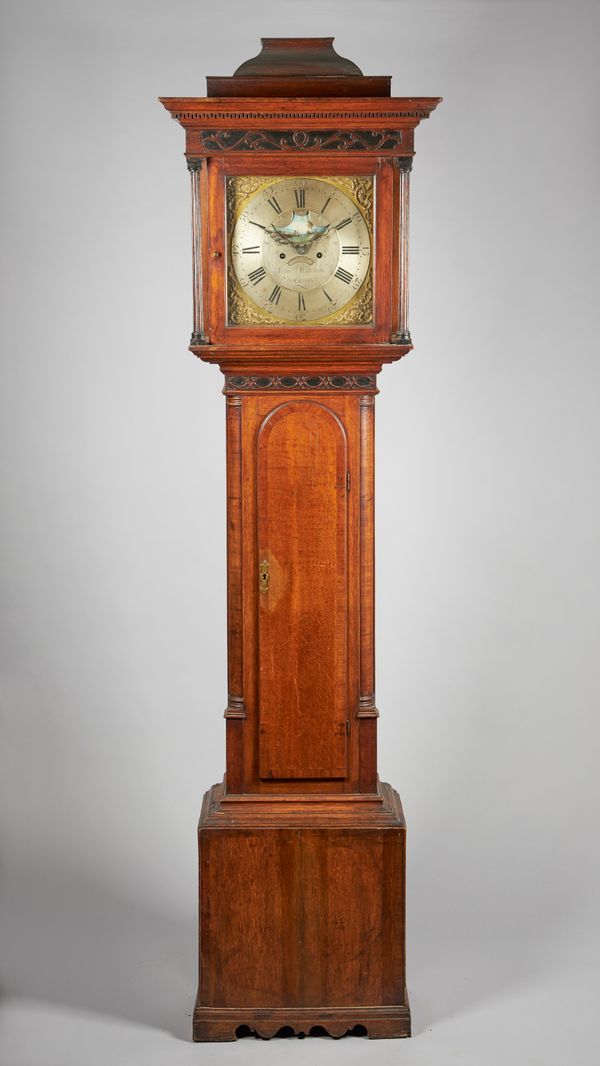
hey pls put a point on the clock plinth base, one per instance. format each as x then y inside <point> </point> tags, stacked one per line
<point>302,915</point>
<point>230,1023</point>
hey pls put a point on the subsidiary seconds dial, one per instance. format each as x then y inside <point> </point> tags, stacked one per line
<point>300,249</point>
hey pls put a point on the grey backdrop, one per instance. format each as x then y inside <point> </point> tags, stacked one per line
<point>113,580</point>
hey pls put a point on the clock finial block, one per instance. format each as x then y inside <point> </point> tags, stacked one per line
<point>298,55</point>
<point>298,66</point>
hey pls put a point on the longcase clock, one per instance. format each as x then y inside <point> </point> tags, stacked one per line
<point>300,173</point>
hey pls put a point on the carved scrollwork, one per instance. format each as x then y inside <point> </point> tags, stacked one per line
<point>300,140</point>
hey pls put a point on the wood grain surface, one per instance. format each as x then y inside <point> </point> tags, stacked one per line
<point>302,849</point>
<point>302,474</point>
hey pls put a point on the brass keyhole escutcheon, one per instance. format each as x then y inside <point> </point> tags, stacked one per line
<point>263,576</point>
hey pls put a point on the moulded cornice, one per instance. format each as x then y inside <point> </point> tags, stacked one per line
<point>271,113</point>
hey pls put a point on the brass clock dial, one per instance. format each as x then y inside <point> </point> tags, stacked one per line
<point>300,251</point>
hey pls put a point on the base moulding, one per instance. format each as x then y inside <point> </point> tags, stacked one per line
<point>224,1023</point>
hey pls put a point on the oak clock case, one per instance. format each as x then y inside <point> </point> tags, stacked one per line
<point>299,171</point>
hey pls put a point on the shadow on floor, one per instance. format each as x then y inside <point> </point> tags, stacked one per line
<point>74,942</point>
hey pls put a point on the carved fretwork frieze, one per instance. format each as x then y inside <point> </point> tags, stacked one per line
<point>307,140</point>
<point>299,382</point>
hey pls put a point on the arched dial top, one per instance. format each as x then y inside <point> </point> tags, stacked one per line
<point>300,250</point>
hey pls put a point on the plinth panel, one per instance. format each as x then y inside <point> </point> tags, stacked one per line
<point>302,924</point>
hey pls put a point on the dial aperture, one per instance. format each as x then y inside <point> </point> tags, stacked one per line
<point>300,231</point>
<point>300,249</point>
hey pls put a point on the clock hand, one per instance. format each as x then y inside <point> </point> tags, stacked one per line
<point>300,232</point>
